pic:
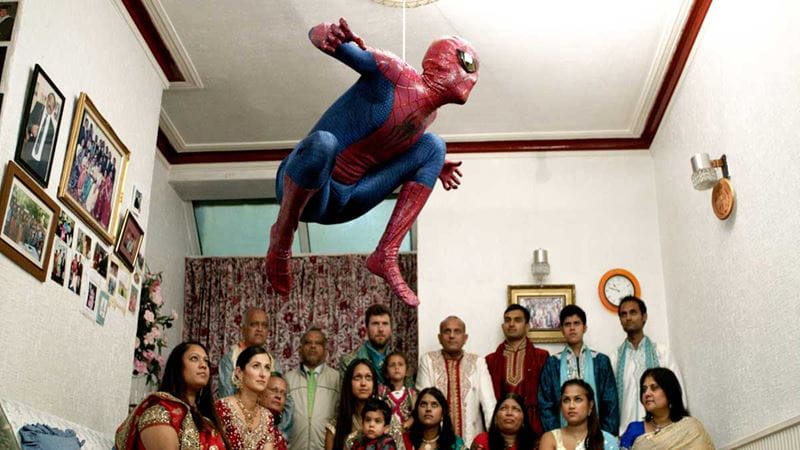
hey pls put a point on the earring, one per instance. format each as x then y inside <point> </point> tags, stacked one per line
<point>237,383</point>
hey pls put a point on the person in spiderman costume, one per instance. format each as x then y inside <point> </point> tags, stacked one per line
<point>369,142</point>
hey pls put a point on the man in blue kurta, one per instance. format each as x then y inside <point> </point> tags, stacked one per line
<point>577,361</point>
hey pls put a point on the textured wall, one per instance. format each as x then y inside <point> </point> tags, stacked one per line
<point>732,287</point>
<point>171,239</point>
<point>592,211</point>
<point>50,355</point>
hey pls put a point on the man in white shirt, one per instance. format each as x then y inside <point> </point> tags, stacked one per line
<point>637,354</point>
<point>462,377</point>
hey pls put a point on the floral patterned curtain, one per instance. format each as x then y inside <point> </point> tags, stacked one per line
<point>330,292</point>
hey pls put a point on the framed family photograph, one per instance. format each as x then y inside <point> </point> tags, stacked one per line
<point>130,240</point>
<point>94,170</point>
<point>29,222</point>
<point>8,15</point>
<point>44,106</point>
<point>544,303</point>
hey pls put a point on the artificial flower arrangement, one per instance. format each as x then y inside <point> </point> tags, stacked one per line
<point>150,338</point>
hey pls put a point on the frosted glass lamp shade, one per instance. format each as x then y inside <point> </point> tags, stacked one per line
<point>704,175</point>
<point>540,266</point>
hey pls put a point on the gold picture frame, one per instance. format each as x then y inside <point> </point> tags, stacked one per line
<point>29,219</point>
<point>94,170</point>
<point>544,302</point>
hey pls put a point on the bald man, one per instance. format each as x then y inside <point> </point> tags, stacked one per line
<point>462,377</point>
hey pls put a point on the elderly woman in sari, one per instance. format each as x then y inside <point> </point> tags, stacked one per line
<point>667,423</point>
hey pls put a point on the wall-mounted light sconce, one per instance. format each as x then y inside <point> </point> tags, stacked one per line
<point>540,267</point>
<point>704,176</point>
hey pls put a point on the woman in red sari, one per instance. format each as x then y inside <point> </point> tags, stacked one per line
<point>181,414</point>
<point>247,424</point>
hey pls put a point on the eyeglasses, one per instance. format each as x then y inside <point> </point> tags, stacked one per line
<point>280,392</point>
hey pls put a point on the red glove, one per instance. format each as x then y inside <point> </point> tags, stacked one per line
<point>450,175</point>
<point>329,36</point>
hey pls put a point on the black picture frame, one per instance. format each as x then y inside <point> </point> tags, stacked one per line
<point>39,168</point>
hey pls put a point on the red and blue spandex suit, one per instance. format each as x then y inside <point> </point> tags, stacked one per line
<point>369,142</point>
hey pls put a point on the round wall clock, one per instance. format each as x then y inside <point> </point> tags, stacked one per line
<point>615,284</point>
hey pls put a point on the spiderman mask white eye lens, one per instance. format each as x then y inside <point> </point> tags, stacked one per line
<point>467,61</point>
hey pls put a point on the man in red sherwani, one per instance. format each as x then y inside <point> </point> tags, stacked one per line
<point>516,364</point>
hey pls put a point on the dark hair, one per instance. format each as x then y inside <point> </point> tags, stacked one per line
<point>668,383</point>
<point>174,384</point>
<point>571,310</point>
<point>518,307</point>
<point>248,354</point>
<point>385,368</point>
<point>526,438</point>
<point>348,402</point>
<point>373,405</point>
<point>633,298</point>
<point>447,436</point>
<point>594,435</point>
<point>376,310</point>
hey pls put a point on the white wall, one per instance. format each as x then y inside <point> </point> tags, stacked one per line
<point>172,237</point>
<point>593,211</point>
<point>51,357</point>
<point>732,287</point>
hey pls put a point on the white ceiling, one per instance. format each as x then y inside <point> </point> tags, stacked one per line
<point>549,69</point>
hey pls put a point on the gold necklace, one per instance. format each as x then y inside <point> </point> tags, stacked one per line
<point>657,428</point>
<point>248,414</point>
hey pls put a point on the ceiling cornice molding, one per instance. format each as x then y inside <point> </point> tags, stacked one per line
<point>138,13</point>
<point>246,152</point>
<point>682,51</point>
<point>659,67</point>
<point>126,15</point>
<point>174,45</point>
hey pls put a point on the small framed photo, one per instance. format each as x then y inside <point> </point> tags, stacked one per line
<point>90,300</point>
<point>130,239</point>
<point>84,243</point>
<point>100,260</point>
<point>137,201</point>
<point>544,303</point>
<point>102,308</point>
<point>76,272</point>
<point>38,134</point>
<point>8,15</point>
<point>58,269</point>
<point>94,170</point>
<point>66,229</point>
<point>133,301</point>
<point>29,219</point>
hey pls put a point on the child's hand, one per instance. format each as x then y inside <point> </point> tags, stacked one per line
<point>407,424</point>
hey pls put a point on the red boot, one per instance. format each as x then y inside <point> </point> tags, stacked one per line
<point>383,261</point>
<point>281,234</point>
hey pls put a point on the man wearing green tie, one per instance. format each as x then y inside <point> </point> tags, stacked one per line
<point>314,387</point>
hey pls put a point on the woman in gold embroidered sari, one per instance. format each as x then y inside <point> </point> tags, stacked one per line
<point>181,414</point>
<point>247,424</point>
<point>667,424</point>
